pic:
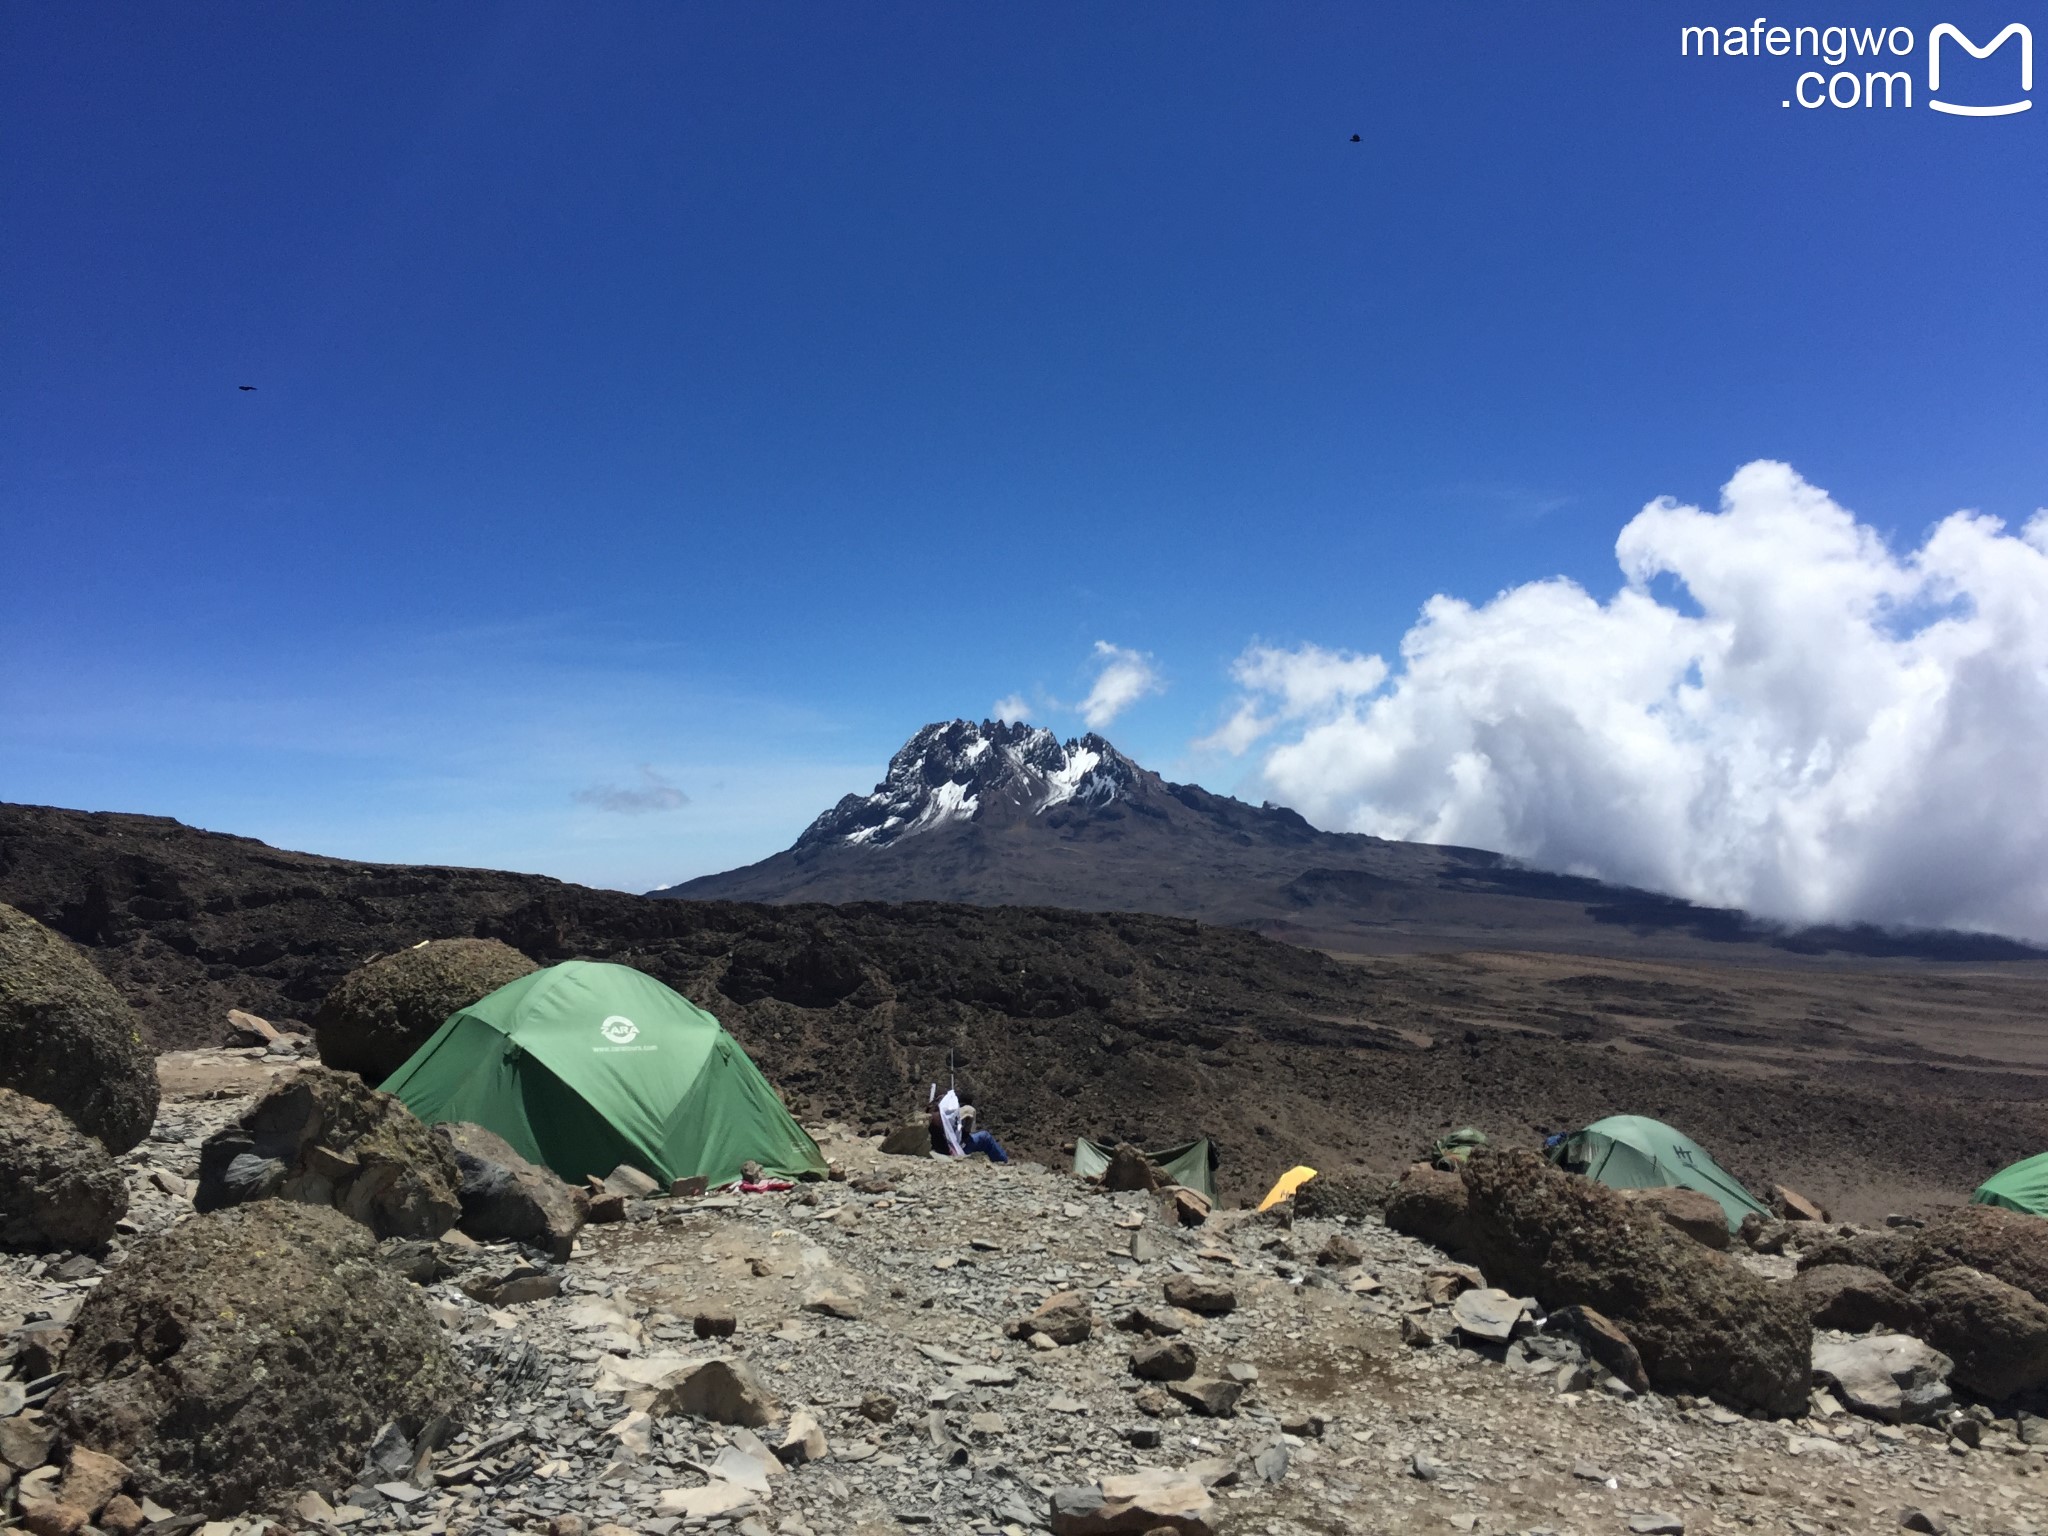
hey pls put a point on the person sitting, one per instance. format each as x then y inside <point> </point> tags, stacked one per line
<point>974,1139</point>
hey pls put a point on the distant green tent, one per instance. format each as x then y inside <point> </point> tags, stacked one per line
<point>584,1066</point>
<point>1635,1152</point>
<point>1191,1165</point>
<point>2022,1187</point>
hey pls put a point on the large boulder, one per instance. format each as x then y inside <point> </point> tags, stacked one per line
<point>380,1013</point>
<point>1996,1333</point>
<point>1130,1168</point>
<point>249,1353</point>
<point>1698,1216</point>
<point>326,1138</point>
<point>1429,1204</point>
<point>2008,1245</point>
<point>1884,1250</point>
<point>505,1196</point>
<point>1701,1322</point>
<point>1851,1299</point>
<point>68,1038</point>
<point>58,1187</point>
<point>1887,1376</point>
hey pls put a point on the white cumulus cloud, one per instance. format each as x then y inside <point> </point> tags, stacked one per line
<point>1828,730</point>
<point>1125,676</point>
<point>1013,708</point>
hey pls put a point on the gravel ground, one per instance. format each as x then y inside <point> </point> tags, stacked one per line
<point>899,1282</point>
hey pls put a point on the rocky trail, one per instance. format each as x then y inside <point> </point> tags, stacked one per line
<point>888,1356</point>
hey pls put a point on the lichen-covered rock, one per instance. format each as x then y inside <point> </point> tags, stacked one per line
<point>505,1196</point>
<point>326,1138</point>
<point>380,1013</point>
<point>1996,1333</point>
<point>1884,1250</point>
<point>1854,1300</point>
<point>1698,1216</point>
<point>1330,1195</point>
<point>58,1187</point>
<point>1429,1204</point>
<point>1701,1322</point>
<point>1130,1168</point>
<point>68,1038</point>
<point>249,1353</point>
<point>2008,1245</point>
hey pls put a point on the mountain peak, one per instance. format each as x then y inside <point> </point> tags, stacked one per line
<point>961,770</point>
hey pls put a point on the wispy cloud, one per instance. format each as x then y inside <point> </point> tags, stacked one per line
<point>1014,708</point>
<point>1126,676</point>
<point>654,793</point>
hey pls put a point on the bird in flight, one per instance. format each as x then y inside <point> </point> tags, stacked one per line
<point>1354,139</point>
<point>248,387</point>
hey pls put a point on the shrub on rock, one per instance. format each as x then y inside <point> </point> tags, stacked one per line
<point>380,1013</point>
<point>68,1038</point>
<point>1996,1333</point>
<point>58,1187</point>
<point>326,1138</point>
<point>1701,1322</point>
<point>248,1353</point>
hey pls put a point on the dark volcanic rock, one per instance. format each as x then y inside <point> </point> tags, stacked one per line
<point>1701,1322</point>
<point>1115,1025</point>
<point>2008,1245</point>
<point>68,1039</point>
<point>505,1196</point>
<point>251,1353</point>
<point>58,1187</point>
<point>327,1138</point>
<point>1855,1300</point>
<point>380,1014</point>
<point>1996,1333</point>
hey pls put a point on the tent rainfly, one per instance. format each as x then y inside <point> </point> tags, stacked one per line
<point>1636,1152</point>
<point>2022,1187</point>
<point>586,1065</point>
<point>1192,1164</point>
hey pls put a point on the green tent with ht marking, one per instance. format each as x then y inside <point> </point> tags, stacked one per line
<point>2022,1187</point>
<point>586,1065</point>
<point>1636,1152</point>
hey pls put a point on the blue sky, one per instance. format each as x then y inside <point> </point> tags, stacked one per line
<point>703,397</point>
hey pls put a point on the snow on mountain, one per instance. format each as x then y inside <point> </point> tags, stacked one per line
<point>957,770</point>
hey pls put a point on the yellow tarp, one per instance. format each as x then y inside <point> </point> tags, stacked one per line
<point>1290,1181</point>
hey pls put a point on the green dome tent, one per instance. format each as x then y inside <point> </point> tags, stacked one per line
<point>584,1066</point>
<point>1636,1152</point>
<point>1192,1164</point>
<point>2022,1187</point>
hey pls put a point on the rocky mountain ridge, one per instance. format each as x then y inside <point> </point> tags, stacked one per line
<point>995,814</point>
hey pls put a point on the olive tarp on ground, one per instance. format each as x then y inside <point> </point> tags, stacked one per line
<point>585,1065</point>
<point>1636,1152</point>
<point>1192,1164</point>
<point>2022,1187</point>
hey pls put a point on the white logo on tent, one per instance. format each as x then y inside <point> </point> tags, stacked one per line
<point>620,1030</point>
